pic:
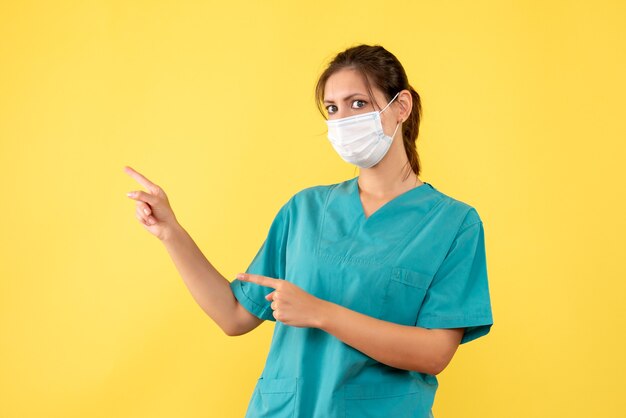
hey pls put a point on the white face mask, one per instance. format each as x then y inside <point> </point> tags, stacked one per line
<point>360,139</point>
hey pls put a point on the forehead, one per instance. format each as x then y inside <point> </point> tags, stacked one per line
<point>344,82</point>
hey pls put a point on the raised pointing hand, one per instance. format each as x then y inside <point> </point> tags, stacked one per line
<point>153,209</point>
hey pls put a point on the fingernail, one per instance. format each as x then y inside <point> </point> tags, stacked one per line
<point>240,276</point>
<point>130,194</point>
<point>146,211</point>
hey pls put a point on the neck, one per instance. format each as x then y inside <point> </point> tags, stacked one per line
<point>380,182</point>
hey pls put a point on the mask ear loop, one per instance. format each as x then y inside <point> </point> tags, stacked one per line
<point>394,98</point>
<point>399,123</point>
<point>394,132</point>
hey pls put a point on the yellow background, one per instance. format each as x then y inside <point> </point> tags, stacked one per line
<point>523,119</point>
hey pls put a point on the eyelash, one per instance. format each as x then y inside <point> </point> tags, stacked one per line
<point>364,104</point>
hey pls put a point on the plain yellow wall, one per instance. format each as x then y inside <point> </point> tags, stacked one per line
<point>523,119</point>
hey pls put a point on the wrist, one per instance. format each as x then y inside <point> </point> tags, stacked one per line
<point>172,233</point>
<point>325,314</point>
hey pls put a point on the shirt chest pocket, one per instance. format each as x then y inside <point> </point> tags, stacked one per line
<point>403,295</point>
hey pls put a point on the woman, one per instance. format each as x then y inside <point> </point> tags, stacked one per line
<point>373,282</point>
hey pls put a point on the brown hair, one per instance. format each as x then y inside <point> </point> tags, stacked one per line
<point>385,71</point>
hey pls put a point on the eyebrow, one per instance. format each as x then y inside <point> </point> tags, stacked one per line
<point>347,97</point>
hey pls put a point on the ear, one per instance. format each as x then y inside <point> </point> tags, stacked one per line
<point>406,104</point>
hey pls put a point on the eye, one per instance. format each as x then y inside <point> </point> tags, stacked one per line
<point>329,107</point>
<point>364,103</point>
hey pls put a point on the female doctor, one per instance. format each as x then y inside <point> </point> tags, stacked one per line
<point>373,282</point>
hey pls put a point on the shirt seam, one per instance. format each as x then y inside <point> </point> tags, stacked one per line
<point>478,317</point>
<point>323,219</point>
<point>468,226</point>
<point>243,291</point>
<point>261,310</point>
<point>426,315</point>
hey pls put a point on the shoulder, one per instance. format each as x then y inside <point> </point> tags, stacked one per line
<point>465,213</point>
<point>315,194</point>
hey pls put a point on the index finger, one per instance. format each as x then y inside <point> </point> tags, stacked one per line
<point>262,280</point>
<point>140,178</point>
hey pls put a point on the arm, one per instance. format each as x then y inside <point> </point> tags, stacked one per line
<point>404,347</point>
<point>208,287</point>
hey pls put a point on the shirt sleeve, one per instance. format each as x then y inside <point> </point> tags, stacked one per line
<point>269,261</point>
<point>458,296</point>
